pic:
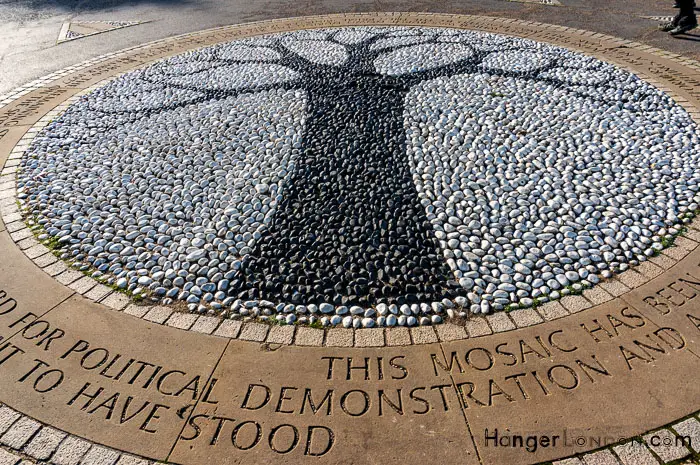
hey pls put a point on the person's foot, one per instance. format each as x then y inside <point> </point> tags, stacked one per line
<point>682,29</point>
<point>669,26</point>
<point>678,5</point>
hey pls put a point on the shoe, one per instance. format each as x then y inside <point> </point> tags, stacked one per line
<point>668,27</point>
<point>682,29</point>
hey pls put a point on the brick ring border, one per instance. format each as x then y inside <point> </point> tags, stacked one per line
<point>473,327</point>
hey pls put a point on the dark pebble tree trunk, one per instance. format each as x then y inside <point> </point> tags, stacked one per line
<point>350,228</point>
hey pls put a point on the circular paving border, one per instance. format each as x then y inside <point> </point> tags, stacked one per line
<point>228,243</point>
<point>657,294</point>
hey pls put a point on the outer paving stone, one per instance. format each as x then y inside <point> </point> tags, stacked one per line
<point>158,314</point>
<point>571,461</point>
<point>100,455</point>
<point>21,234</point>
<point>7,458</point>
<point>500,322</point>
<point>450,332</point>
<point>131,460</point>
<point>181,320</point>
<point>552,310</point>
<point>44,443</point>
<point>423,335</point>
<point>45,260</point>
<point>69,276</point>
<point>20,432</point>
<point>98,292</point>
<point>675,253</point>
<point>229,328</point>
<point>477,326</point>
<point>137,310</point>
<point>281,334</point>
<point>669,448</point>
<point>614,287</point>
<point>398,336</point>
<point>369,337</point>
<point>7,418</point>
<point>16,226</point>
<point>693,234</point>
<point>36,251</point>
<point>55,268</point>
<point>525,317</point>
<point>602,457</point>
<point>309,336</point>
<point>205,324</point>
<point>70,451</point>
<point>685,243</point>
<point>632,279</point>
<point>575,303</point>
<point>649,269</point>
<point>635,453</point>
<point>690,428</point>
<point>340,337</point>
<point>82,285</point>
<point>695,223</point>
<point>663,261</point>
<point>597,295</point>
<point>12,217</point>
<point>116,301</point>
<point>8,206</point>
<point>28,243</point>
<point>254,332</point>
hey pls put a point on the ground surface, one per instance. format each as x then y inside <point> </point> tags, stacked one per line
<point>29,28</point>
<point>88,378</point>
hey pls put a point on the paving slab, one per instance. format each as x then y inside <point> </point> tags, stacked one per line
<point>32,106</point>
<point>119,381</point>
<point>580,376</point>
<point>338,405</point>
<point>9,137</point>
<point>672,301</point>
<point>19,299</point>
<point>46,441</point>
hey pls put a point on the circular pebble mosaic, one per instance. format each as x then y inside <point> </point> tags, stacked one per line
<point>364,176</point>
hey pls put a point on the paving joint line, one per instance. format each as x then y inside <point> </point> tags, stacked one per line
<point>461,407</point>
<point>194,407</point>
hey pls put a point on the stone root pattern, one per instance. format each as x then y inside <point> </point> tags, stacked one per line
<point>250,330</point>
<point>25,441</point>
<point>163,195</point>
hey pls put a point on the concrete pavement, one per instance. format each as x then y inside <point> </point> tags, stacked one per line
<point>30,28</point>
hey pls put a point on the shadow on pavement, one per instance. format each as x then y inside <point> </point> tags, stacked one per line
<point>690,37</point>
<point>26,10</point>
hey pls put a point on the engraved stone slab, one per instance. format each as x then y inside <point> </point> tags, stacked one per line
<point>107,377</point>
<point>336,405</point>
<point>31,107</point>
<point>582,376</point>
<point>35,294</point>
<point>673,301</point>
